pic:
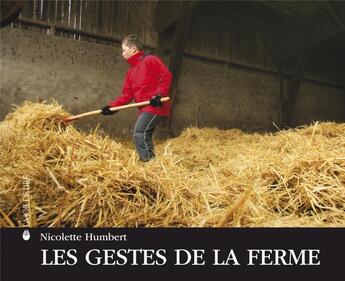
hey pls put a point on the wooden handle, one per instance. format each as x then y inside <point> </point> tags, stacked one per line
<point>75,117</point>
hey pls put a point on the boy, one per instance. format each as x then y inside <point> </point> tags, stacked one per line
<point>147,79</point>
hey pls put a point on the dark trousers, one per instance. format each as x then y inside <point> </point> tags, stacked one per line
<point>143,130</point>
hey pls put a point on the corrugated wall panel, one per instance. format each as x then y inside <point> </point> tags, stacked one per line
<point>224,37</point>
<point>113,18</point>
<point>212,34</point>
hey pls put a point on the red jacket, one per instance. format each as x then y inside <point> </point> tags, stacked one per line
<point>147,77</point>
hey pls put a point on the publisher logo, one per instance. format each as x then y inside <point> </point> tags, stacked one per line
<point>26,235</point>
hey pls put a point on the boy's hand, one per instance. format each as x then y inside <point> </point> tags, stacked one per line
<point>107,111</point>
<point>156,101</point>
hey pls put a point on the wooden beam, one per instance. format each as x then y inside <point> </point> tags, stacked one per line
<point>277,8</point>
<point>161,49</point>
<point>268,18</point>
<point>292,39</point>
<point>177,52</point>
<point>161,36</point>
<point>10,11</point>
<point>240,16</point>
<point>280,74</point>
<point>290,101</point>
<point>57,27</point>
<point>169,12</point>
<point>334,15</point>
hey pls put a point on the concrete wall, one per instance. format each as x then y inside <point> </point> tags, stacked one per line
<point>83,76</point>
<point>215,95</point>
<point>318,102</point>
<point>79,75</point>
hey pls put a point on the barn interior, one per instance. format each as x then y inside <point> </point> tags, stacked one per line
<point>245,74</point>
<point>253,64</point>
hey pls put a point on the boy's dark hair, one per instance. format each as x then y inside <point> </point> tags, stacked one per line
<point>133,40</point>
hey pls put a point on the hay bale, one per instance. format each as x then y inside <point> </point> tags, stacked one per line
<point>205,177</point>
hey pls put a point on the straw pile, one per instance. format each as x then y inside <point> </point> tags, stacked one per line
<point>57,176</point>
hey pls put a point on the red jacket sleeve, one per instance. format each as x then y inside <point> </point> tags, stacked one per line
<point>126,96</point>
<point>162,72</point>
